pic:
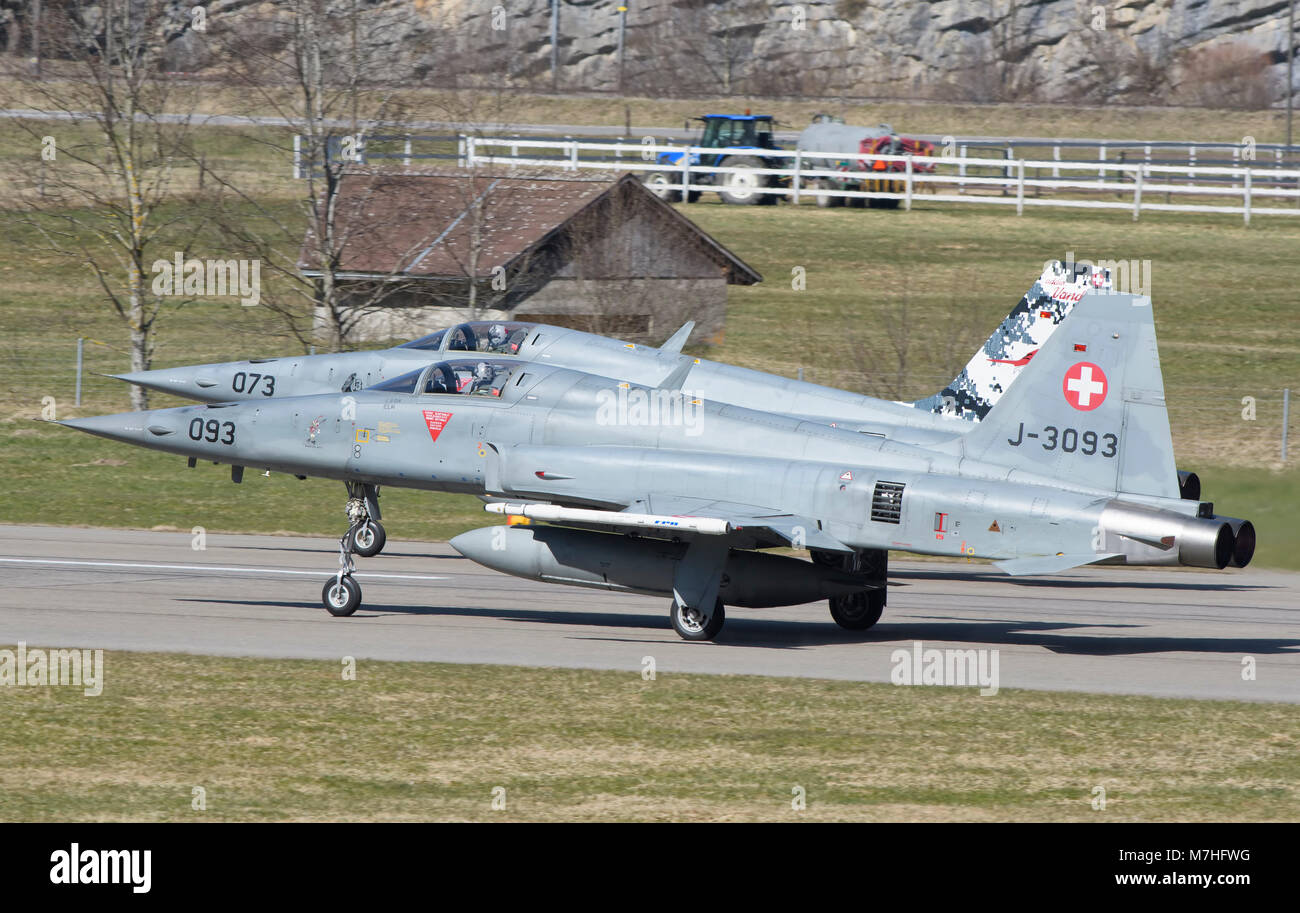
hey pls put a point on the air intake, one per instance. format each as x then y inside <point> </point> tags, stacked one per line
<point>887,502</point>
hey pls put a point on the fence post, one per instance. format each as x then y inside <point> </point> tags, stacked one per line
<point>1137,192</point>
<point>469,151</point>
<point>1056,157</point>
<point>573,155</point>
<point>961,170</point>
<point>1020,188</point>
<point>1191,161</point>
<point>1101,172</point>
<point>1246,199</point>
<point>81,343</point>
<point>1006,171</point>
<point>406,152</point>
<point>1286,418</point>
<point>798,166</point>
<point>686,175</point>
<point>907,186</point>
<point>297,157</point>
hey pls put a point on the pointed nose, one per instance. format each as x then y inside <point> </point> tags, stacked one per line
<point>180,381</point>
<point>128,427</point>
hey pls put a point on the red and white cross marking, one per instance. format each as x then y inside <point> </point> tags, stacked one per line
<point>1085,386</point>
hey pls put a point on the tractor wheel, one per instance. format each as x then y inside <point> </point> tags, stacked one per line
<point>741,189</point>
<point>662,185</point>
<point>828,202</point>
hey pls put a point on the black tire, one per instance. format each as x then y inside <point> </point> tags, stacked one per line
<point>368,539</point>
<point>858,611</point>
<point>888,204</point>
<point>690,630</point>
<point>740,189</point>
<point>824,202</point>
<point>662,185</point>
<point>341,597</point>
<point>859,202</point>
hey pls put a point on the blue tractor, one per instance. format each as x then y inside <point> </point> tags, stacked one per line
<point>751,133</point>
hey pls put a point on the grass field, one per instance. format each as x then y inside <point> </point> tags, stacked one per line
<point>270,740</point>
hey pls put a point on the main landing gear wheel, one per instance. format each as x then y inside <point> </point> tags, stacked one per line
<point>858,611</point>
<point>341,596</point>
<point>368,539</point>
<point>690,624</point>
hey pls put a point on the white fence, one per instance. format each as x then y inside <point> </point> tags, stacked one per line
<point>1240,189</point>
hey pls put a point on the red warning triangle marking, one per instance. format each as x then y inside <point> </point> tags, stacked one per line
<point>436,421</point>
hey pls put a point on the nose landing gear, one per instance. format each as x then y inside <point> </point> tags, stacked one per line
<point>341,595</point>
<point>365,536</point>
<point>363,517</point>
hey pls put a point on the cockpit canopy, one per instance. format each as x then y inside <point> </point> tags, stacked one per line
<point>465,377</point>
<point>433,341</point>
<point>496,337</point>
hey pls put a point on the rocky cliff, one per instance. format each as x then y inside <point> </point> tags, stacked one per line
<point>1230,52</point>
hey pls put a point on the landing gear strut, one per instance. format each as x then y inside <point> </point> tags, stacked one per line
<point>342,594</point>
<point>368,536</point>
<point>859,611</point>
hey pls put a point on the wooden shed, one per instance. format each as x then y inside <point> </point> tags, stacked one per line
<point>595,252</point>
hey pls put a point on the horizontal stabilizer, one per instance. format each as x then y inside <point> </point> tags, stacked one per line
<point>1049,564</point>
<point>673,345</point>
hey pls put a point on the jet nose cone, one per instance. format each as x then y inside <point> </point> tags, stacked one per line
<point>182,381</point>
<point>130,427</point>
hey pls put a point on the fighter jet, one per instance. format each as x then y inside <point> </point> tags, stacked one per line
<point>986,377</point>
<point>653,490</point>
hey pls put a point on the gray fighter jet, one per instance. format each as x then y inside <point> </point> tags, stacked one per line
<point>655,490</point>
<point>988,375</point>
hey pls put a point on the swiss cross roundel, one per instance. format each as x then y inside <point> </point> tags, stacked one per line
<point>1085,386</point>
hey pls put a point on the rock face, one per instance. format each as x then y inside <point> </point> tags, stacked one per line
<point>1215,52</point>
<point>978,50</point>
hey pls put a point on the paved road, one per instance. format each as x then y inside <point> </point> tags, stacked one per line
<point>786,136</point>
<point>1181,633</point>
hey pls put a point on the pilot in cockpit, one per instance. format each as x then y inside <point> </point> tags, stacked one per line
<point>497,338</point>
<point>483,377</point>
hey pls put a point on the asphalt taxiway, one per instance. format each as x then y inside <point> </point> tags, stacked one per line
<point>1113,630</point>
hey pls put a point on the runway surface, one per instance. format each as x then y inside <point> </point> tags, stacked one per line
<point>1159,632</point>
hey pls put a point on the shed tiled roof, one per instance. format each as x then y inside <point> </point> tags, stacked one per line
<point>421,225</point>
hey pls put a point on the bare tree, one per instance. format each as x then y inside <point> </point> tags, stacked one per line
<point>108,195</point>
<point>326,53</point>
<point>1230,75</point>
